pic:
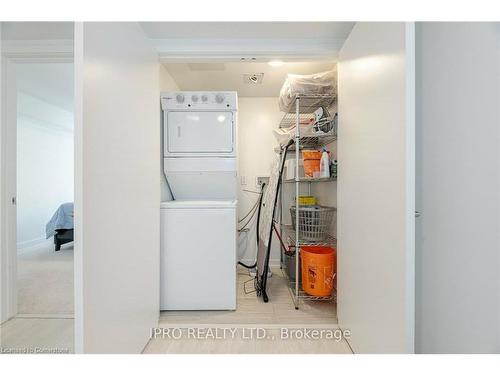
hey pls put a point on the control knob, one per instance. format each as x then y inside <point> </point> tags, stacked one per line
<point>179,98</point>
<point>219,98</point>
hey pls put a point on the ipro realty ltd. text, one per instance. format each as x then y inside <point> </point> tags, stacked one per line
<point>249,333</point>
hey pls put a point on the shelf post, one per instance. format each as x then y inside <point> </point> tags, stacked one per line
<point>297,192</point>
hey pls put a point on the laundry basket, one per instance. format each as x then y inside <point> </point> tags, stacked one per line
<point>314,221</point>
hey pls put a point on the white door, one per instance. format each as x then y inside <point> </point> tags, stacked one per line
<point>376,187</point>
<point>199,132</point>
<point>117,189</point>
<point>458,167</point>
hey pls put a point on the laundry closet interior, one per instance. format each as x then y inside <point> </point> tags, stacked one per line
<point>259,130</point>
<point>235,173</point>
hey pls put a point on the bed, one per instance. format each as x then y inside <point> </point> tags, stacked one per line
<point>60,225</point>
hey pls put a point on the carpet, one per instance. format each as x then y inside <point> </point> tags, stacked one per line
<point>45,280</point>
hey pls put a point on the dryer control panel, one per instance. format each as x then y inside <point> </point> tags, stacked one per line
<point>200,100</point>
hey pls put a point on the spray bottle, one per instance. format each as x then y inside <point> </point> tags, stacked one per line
<point>324,166</point>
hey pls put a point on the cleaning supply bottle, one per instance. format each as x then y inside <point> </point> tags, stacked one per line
<point>324,167</point>
<point>334,167</point>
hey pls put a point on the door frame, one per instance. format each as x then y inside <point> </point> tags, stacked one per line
<point>12,54</point>
<point>198,50</point>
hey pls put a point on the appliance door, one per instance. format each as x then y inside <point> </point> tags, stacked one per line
<point>198,256</point>
<point>199,133</point>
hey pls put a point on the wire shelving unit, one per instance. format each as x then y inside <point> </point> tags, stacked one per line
<point>300,113</point>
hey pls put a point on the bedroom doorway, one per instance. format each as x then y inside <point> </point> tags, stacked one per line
<point>45,189</point>
<point>38,138</point>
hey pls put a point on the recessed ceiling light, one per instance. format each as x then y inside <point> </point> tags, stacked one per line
<point>276,63</point>
<point>253,78</point>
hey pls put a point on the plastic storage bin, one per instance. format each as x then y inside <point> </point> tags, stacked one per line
<point>307,200</point>
<point>289,263</point>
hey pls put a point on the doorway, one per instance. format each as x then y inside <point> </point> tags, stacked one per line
<point>37,88</point>
<point>44,189</point>
<point>259,117</point>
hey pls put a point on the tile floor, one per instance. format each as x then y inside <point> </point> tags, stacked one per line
<point>30,335</point>
<point>252,310</point>
<point>194,329</point>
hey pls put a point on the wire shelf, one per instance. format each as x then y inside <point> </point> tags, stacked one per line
<point>308,104</point>
<point>315,141</point>
<point>289,235</point>
<point>310,179</point>
<point>301,295</point>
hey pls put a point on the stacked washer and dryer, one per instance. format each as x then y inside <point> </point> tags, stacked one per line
<point>199,226</point>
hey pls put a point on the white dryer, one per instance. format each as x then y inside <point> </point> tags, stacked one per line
<point>198,228</point>
<point>199,144</point>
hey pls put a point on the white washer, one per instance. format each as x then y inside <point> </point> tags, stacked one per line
<point>198,255</point>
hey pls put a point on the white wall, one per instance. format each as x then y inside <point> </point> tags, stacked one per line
<point>4,315</point>
<point>257,117</point>
<point>458,170</point>
<point>375,187</point>
<point>167,83</point>
<point>117,188</point>
<point>44,165</point>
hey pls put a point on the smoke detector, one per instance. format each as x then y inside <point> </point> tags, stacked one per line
<point>253,78</point>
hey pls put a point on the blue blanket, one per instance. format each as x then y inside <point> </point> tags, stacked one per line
<point>62,219</point>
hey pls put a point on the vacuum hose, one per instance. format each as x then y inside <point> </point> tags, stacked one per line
<point>257,227</point>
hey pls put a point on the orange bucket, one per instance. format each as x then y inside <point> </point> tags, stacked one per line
<point>312,161</point>
<point>318,270</point>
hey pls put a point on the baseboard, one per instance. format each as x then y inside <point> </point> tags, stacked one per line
<point>45,316</point>
<point>272,262</point>
<point>28,245</point>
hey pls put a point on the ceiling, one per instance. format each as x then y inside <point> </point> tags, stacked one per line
<point>37,30</point>
<point>190,30</point>
<point>229,41</point>
<point>229,76</point>
<point>52,83</point>
<point>166,30</point>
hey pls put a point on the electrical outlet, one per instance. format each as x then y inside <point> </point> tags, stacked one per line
<point>243,180</point>
<point>259,180</point>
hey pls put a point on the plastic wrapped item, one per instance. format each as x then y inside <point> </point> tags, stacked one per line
<point>324,83</point>
<point>306,129</point>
